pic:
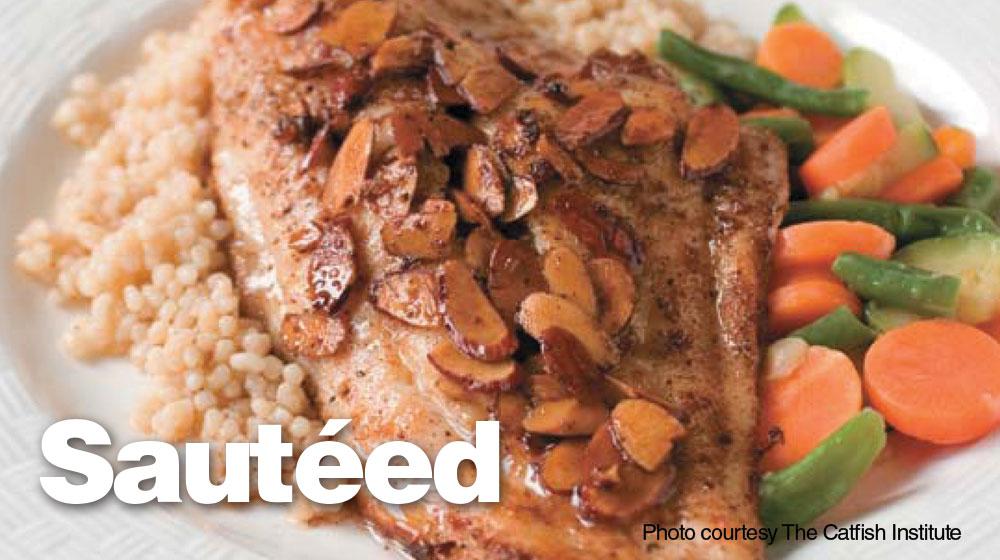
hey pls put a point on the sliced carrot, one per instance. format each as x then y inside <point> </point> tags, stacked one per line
<point>931,182</point>
<point>851,150</point>
<point>818,244</point>
<point>825,126</point>
<point>797,304</point>
<point>957,144</point>
<point>807,405</point>
<point>781,277</point>
<point>802,53</point>
<point>936,380</point>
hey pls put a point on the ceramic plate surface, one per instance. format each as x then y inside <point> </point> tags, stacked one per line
<point>944,52</point>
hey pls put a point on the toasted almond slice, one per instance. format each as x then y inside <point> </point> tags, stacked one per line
<point>487,86</point>
<point>540,312</point>
<point>313,334</point>
<point>594,116</point>
<point>361,26</point>
<point>546,387</point>
<point>410,296</point>
<point>406,129</point>
<point>565,418</point>
<point>332,269</point>
<point>567,276</point>
<point>645,432</point>
<point>423,235</point>
<point>319,152</point>
<point>609,169</point>
<point>603,458</point>
<point>511,410</point>
<point>441,94</point>
<point>478,250</point>
<point>635,492</point>
<point>306,238</point>
<point>470,211</point>
<point>393,187</point>
<point>476,327</point>
<point>595,225</point>
<point>474,374</point>
<point>455,59</point>
<point>515,273</point>
<point>444,133</point>
<point>559,159</point>
<point>567,360</point>
<point>347,174</point>
<point>649,126</point>
<point>616,291</point>
<point>522,197</point>
<point>485,179</point>
<point>713,134</point>
<point>562,468</point>
<point>402,55</point>
<point>289,16</point>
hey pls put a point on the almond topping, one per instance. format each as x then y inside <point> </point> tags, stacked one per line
<point>485,179</point>
<point>306,238</point>
<point>441,94</point>
<point>331,267</point>
<point>567,360</point>
<point>559,159</point>
<point>616,291</point>
<point>487,86</point>
<point>313,334</point>
<point>594,116</point>
<point>608,168</point>
<point>522,197</point>
<point>600,230</point>
<point>478,250</point>
<point>470,211</point>
<point>361,26</point>
<point>406,128</point>
<point>713,134</point>
<point>444,133</point>
<point>603,459</point>
<point>476,328</point>
<point>545,387</point>
<point>540,312</point>
<point>347,174</point>
<point>635,492</point>
<point>515,273</point>
<point>511,409</point>
<point>474,374</point>
<point>410,296</point>
<point>289,16</point>
<point>402,55</point>
<point>423,235</point>
<point>565,418</point>
<point>562,468</point>
<point>567,276</point>
<point>648,126</point>
<point>393,187</point>
<point>645,432</point>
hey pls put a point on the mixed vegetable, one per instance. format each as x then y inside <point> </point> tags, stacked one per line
<point>885,288</point>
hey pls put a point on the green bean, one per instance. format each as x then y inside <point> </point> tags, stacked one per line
<point>796,132</point>
<point>701,91</point>
<point>898,285</point>
<point>908,222</point>
<point>743,76</point>
<point>789,13</point>
<point>980,191</point>
<point>838,329</point>
<point>803,491</point>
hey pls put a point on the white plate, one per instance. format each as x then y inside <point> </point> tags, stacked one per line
<point>943,52</point>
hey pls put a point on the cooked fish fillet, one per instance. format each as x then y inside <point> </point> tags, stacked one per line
<point>284,101</point>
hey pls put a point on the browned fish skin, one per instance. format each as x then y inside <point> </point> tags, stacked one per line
<point>697,250</point>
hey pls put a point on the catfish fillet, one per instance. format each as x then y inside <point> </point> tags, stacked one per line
<point>445,219</point>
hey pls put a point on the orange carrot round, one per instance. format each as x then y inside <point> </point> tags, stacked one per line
<point>781,277</point>
<point>957,144</point>
<point>797,304</point>
<point>851,150</point>
<point>818,244</point>
<point>802,53</point>
<point>936,380</point>
<point>931,182</point>
<point>807,405</point>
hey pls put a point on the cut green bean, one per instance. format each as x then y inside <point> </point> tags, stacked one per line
<point>980,191</point>
<point>795,132</point>
<point>838,329</point>
<point>803,491</point>
<point>701,91</point>
<point>741,75</point>
<point>908,222</point>
<point>789,13</point>
<point>898,285</point>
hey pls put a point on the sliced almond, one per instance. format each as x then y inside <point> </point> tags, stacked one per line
<point>559,159</point>
<point>487,86</point>
<point>320,151</point>
<point>332,269</point>
<point>603,459</point>
<point>635,492</point>
<point>445,133</point>
<point>346,181</point>
<point>289,16</point>
<point>616,292</point>
<point>479,247</point>
<point>485,179</point>
<point>562,467</point>
<point>540,312</point>
<point>476,327</point>
<point>361,26</point>
<point>313,334</point>
<point>470,211</point>
<point>474,374</point>
<point>649,126</point>
<point>306,238</point>
<point>441,94</point>
<point>595,225</point>
<point>402,55</point>
<point>566,275</point>
<point>515,273</point>
<point>511,410</point>
<point>593,117</point>
<point>565,418</point>
<point>608,168</point>
<point>568,361</point>
<point>645,432</point>
<point>713,134</point>
<point>522,198</point>
<point>393,188</point>
<point>410,296</point>
<point>455,59</point>
<point>546,387</point>
<point>422,235</point>
<point>407,132</point>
